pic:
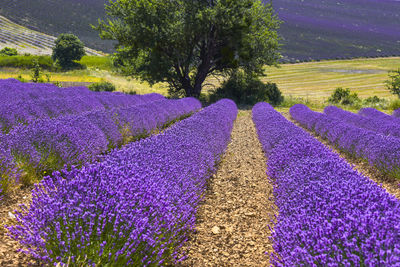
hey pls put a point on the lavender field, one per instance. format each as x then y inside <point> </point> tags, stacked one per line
<point>328,29</point>
<point>339,29</point>
<point>120,180</point>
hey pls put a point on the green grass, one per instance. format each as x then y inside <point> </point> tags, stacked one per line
<point>317,80</point>
<point>96,62</point>
<point>309,83</point>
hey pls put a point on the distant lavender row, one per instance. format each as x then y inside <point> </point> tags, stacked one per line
<point>136,206</point>
<point>47,145</point>
<point>371,123</point>
<point>21,103</point>
<point>329,214</point>
<point>377,115</point>
<point>382,152</point>
<point>396,113</point>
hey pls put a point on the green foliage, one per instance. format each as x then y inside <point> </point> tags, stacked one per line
<point>98,62</point>
<point>7,51</point>
<point>394,104</point>
<point>36,72</point>
<point>343,97</point>
<point>393,84</point>
<point>102,87</point>
<point>68,48</point>
<point>184,42</point>
<point>26,62</point>
<point>247,89</point>
<point>290,101</point>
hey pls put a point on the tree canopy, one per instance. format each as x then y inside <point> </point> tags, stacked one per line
<point>68,48</point>
<point>393,84</point>
<point>183,42</point>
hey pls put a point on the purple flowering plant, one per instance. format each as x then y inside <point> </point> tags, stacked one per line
<point>133,208</point>
<point>379,150</point>
<point>329,214</point>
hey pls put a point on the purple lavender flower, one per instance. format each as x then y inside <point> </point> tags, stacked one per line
<point>136,206</point>
<point>396,113</point>
<point>329,214</point>
<point>380,151</point>
<point>378,125</point>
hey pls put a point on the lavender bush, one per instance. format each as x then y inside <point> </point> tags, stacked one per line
<point>46,145</point>
<point>133,208</point>
<point>380,151</point>
<point>22,103</point>
<point>371,123</point>
<point>396,113</point>
<point>378,115</point>
<point>329,214</point>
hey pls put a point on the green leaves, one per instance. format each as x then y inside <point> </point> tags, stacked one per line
<point>182,42</point>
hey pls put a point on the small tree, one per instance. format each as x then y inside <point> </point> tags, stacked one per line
<point>36,72</point>
<point>183,42</point>
<point>393,84</point>
<point>67,49</point>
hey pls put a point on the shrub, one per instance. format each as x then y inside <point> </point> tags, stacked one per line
<point>67,49</point>
<point>394,104</point>
<point>36,72</point>
<point>7,51</point>
<point>102,87</point>
<point>26,61</point>
<point>247,89</point>
<point>393,84</point>
<point>344,97</point>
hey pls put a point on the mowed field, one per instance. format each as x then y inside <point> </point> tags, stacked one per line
<point>314,81</point>
<point>317,80</point>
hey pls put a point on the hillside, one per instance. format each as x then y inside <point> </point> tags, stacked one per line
<point>59,16</point>
<point>312,29</point>
<point>28,41</point>
<point>321,29</point>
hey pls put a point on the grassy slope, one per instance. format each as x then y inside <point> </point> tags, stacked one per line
<point>28,41</point>
<point>317,80</point>
<point>313,29</point>
<point>313,80</point>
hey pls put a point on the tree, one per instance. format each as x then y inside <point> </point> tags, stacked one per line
<point>67,49</point>
<point>393,84</point>
<point>36,72</point>
<point>183,42</point>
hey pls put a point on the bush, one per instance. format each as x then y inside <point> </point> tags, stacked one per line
<point>344,97</point>
<point>67,49</point>
<point>393,84</point>
<point>7,51</point>
<point>102,87</point>
<point>247,89</point>
<point>26,62</point>
<point>394,104</point>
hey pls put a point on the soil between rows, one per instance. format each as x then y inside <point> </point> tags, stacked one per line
<point>9,255</point>
<point>234,219</point>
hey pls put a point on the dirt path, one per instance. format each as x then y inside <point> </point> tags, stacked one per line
<point>232,225</point>
<point>391,185</point>
<point>9,255</point>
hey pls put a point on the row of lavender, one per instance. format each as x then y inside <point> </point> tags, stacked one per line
<point>22,103</point>
<point>379,150</point>
<point>136,206</point>
<point>396,113</point>
<point>328,212</point>
<point>46,145</point>
<point>367,119</point>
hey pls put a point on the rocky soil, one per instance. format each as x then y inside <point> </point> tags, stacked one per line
<point>238,209</point>
<point>9,254</point>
